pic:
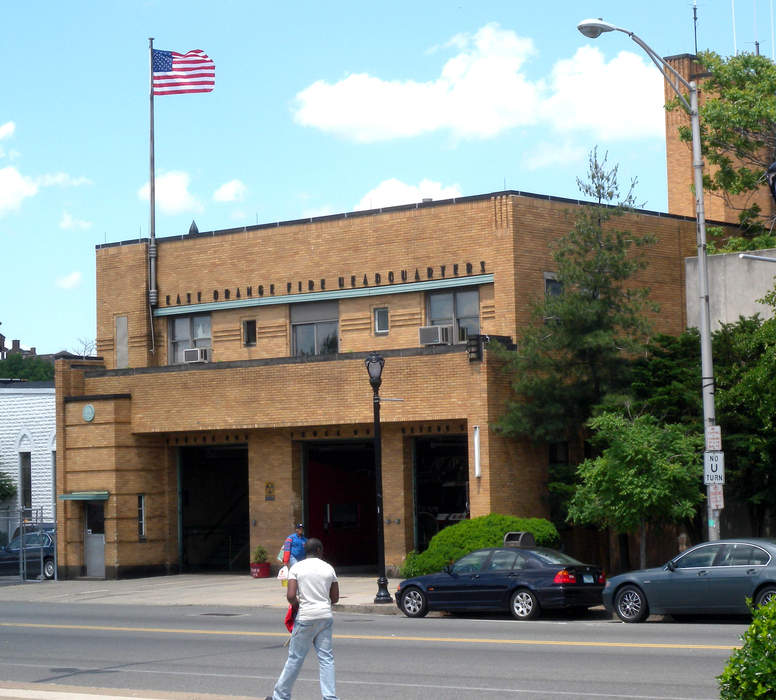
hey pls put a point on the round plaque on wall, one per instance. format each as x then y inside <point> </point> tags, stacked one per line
<point>88,413</point>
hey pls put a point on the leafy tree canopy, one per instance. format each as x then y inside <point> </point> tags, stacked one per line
<point>737,120</point>
<point>577,348</point>
<point>648,472</point>
<point>14,366</point>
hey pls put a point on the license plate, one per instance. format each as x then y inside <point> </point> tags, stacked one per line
<point>587,578</point>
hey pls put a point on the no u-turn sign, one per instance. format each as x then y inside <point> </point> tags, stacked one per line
<point>713,467</point>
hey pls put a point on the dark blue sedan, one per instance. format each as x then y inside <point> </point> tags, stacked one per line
<point>38,555</point>
<point>710,578</point>
<point>522,580</point>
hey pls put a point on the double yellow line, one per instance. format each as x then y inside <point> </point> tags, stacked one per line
<point>381,637</point>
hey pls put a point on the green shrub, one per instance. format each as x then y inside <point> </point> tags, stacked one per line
<point>466,536</point>
<point>751,670</point>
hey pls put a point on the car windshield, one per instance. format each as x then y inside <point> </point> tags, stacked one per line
<point>552,556</point>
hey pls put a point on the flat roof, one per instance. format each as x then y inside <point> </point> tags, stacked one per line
<point>382,210</point>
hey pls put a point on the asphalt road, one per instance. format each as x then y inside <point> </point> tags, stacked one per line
<point>239,651</point>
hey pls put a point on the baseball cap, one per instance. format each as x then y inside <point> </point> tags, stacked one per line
<point>298,526</point>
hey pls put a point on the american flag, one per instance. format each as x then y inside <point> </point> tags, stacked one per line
<point>177,73</point>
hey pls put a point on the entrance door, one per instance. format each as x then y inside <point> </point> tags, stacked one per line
<point>441,485</point>
<point>342,503</point>
<point>94,538</point>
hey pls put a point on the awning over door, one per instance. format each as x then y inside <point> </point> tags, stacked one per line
<point>84,496</point>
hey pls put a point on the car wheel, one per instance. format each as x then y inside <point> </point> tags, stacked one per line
<point>523,605</point>
<point>630,604</point>
<point>765,596</point>
<point>414,602</point>
<point>48,568</point>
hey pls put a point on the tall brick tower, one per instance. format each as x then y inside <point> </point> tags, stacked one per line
<point>681,199</point>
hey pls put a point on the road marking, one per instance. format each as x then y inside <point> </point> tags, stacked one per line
<point>93,694</point>
<point>382,637</point>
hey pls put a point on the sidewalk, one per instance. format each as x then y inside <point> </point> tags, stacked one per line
<point>357,593</point>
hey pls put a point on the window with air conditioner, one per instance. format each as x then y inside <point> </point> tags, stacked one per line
<point>459,309</point>
<point>187,333</point>
<point>315,328</point>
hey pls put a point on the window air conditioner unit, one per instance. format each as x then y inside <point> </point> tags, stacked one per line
<point>191,355</point>
<point>435,335</point>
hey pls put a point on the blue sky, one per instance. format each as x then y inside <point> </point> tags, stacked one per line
<point>318,108</point>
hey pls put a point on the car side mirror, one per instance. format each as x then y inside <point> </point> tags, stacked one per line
<point>448,569</point>
<point>670,565</point>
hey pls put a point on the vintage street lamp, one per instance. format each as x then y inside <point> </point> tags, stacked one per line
<point>374,365</point>
<point>593,28</point>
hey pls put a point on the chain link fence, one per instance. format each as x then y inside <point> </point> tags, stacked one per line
<point>28,548</point>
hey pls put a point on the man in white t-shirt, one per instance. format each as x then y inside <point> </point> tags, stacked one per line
<point>312,588</point>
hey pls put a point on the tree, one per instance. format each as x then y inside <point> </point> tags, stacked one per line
<point>667,385</point>
<point>7,487</point>
<point>647,473</point>
<point>578,347</point>
<point>33,369</point>
<point>738,137</point>
<point>745,353</point>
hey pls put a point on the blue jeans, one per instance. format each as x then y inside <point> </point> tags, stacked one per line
<point>316,633</point>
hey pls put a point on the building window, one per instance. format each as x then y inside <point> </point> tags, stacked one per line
<point>381,320</point>
<point>122,342</point>
<point>552,287</point>
<point>249,333</point>
<point>459,309</point>
<point>314,328</point>
<point>25,480</point>
<point>188,332</point>
<point>141,516</point>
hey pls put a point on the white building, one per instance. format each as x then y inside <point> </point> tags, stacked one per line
<point>28,449</point>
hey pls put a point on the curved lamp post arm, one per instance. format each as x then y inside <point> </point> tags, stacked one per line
<point>593,28</point>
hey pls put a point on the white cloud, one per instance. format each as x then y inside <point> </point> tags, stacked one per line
<point>62,180</point>
<point>14,188</point>
<point>478,93</point>
<point>172,193</point>
<point>393,192</point>
<point>483,90</point>
<point>324,210</point>
<point>70,281</point>
<point>232,191</point>
<point>7,130</point>
<point>621,99</point>
<point>69,223</point>
<point>552,155</point>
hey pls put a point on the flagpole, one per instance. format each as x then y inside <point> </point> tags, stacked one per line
<point>152,293</point>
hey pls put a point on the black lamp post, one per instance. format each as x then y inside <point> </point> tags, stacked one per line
<point>374,365</point>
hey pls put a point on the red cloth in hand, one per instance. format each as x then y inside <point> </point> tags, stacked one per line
<point>290,618</point>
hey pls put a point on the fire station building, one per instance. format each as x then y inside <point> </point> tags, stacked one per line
<point>239,403</point>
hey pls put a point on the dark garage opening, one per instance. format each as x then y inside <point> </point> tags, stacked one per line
<point>341,502</point>
<point>214,508</point>
<point>441,485</point>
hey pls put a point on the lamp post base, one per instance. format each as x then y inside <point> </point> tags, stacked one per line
<point>383,596</point>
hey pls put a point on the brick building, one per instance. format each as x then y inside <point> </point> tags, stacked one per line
<point>240,403</point>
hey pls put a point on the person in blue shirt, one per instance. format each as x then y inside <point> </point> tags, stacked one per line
<point>293,547</point>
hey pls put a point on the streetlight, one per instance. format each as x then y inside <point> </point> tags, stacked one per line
<point>593,28</point>
<point>374,365</point>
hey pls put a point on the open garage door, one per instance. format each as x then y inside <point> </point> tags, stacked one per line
<point>214,510</point>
